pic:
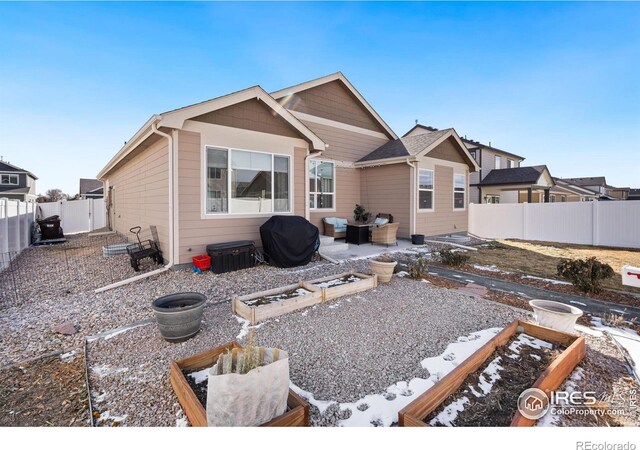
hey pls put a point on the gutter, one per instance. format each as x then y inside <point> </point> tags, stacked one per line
<point>170,146</point>
<point>412,196</point>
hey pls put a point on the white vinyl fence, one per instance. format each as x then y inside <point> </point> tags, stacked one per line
<point>77,216</point>
<point>16,218</point>
<point>604,223</point>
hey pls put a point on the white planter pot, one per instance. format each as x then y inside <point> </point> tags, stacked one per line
<point>384,270</point>
<point>556,315</point>
<point>251,399</point>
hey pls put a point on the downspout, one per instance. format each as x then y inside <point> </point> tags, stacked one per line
<point>412,196</point>
<point>154,130</point>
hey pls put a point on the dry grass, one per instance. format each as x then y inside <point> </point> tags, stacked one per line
<point>541,258</point>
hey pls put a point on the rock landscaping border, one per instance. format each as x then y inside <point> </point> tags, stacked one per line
<point>413,415</point>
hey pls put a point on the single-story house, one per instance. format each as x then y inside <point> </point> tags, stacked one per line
<point>216,170</point>
<point>567,192</point>
<point>599,185</point>
<point>17,183</point>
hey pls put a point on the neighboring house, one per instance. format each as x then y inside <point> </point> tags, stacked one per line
<point>567,192</point>
<point>500,178</point>
<point>215,171</point>
<point>634,194</point>
<point>599,185</point>
<point>90,188</point>
<point>17,183</point>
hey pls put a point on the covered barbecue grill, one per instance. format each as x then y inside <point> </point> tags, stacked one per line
<point>289,241</point>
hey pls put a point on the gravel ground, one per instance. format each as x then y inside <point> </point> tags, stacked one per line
<point>340,351</point>
<point>26,330</point>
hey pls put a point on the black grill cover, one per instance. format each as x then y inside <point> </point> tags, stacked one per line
<point>289,241</point>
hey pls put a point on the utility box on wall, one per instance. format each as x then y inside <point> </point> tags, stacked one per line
<point>631,276</point>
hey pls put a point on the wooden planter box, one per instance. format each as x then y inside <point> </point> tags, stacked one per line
<point>550,380</point>
<point>329,293</point>
<point>296,416</point>
<point>255,314</point>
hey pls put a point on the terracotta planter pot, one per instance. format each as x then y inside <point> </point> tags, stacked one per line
<point>384,270</point>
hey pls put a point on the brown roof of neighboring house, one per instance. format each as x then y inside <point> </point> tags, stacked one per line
<point>573,188</point>
<point>516,175</point>
<point>587,181</point>
<point>405,146</point>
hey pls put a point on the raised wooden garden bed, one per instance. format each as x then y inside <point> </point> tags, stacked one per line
<point>276,302</point>
<point>347,283</point>
<point>297,414</point>
<point>414,414</point>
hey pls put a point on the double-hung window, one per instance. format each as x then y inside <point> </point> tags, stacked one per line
<point>459,190</point>
<point>425,189</point>
<point>322,183</point>
<point>510,163</point>
<point>246,182</point>
<point>7,178</point>
<point>497,162</point>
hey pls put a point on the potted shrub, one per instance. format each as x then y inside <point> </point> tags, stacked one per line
<point>248,386</point>
<point>360,215</point>
<point>383,266</point>
<point>179,315</point>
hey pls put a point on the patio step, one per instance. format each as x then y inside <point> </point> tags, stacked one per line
<point>326,240</point>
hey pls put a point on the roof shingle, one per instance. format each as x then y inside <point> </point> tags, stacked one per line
<point>405,146</point>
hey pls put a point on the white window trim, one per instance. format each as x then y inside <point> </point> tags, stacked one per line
<point>230,214</point>
<point>17,183</point>
<point>497,158</point>
<point>334,193</point>
<point>433,191</point>
<point>511,164</point>
<point>466,189</point>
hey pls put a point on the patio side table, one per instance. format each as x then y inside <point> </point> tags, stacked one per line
<point>357,233</point>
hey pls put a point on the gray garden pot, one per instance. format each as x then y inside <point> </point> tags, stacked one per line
<point>179,315</point>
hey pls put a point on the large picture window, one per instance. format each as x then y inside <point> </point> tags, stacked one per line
<point>321,184</point>
<point>246,182</point>
<point>425,189</point>
<point>459,190</point>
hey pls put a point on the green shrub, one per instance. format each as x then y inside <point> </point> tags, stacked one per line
<point>585,274</point>
<point>418,268</point>
<point>360,214</point>
<point>452,258</point>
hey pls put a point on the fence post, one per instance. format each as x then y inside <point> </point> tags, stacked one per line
<point>525,217</point>
<point>595,226</point>
<point>91,219</point>
<point>4,226</point>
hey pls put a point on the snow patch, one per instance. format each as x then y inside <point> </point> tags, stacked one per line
<point>106,370</point>
<point>546,280</point>
<point>491,268</point>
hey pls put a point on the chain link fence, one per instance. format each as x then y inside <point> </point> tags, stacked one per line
<point>75,267</point>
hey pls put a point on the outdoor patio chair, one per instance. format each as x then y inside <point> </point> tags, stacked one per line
<point>385,234</point>
<point>335,227</point>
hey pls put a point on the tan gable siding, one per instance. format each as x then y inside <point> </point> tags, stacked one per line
<point>249,115</point>
<point>443,219</point>
<point>345,145</point>
<point>332,101</point>
<point>347,195</point>
<point>447,151</point>
<point>141,193</point>
<point>195,232</point>
<point>385,189</point>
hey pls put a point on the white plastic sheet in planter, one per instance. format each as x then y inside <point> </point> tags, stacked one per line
<point>631,276</point>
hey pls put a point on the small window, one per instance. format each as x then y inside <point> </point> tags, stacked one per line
<point>492,199</point>
<point>552,198</point>
<point>563,198</point>
<point>7,178</point>
<point>473,154</point>
<point>498,162</point>
<point>425,189</point>
<point>459,189</point>
<point>510,163</point>
<point>321,184</point>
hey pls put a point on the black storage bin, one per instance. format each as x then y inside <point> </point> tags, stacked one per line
<point>50,228</point>
<point>230,256</point>
<point>417,239</point>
